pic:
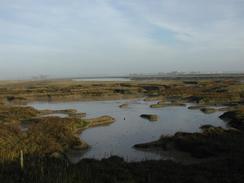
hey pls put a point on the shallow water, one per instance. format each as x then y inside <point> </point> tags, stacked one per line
<point>129,129</point>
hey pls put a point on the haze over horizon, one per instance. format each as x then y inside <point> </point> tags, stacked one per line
<point>65,38</point>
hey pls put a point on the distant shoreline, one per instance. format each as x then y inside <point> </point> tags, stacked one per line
<point>166,76</point>
<point>163,77</point>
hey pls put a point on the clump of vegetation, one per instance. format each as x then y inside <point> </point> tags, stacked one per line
<point>150,117</point>
<point>103,120</point>
<point>190,82</point>
<point>212,141</point>
<point>15,114</point>
<point>16,100</point>
<point>208,110</point>
<point>234,118</point>
<point>50,135</point>
<point>122,91</point>
<point>45,136</point>
<point>73,113</point>
<point>124,106</point>
<point>10,140</point>
<point>160,98</point>
<point>166,104</point>
<point>157,105</point>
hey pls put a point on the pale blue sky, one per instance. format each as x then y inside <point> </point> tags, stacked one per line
<point>63,38</point>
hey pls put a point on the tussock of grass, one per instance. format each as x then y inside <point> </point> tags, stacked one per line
<point>150,117</point>
<point>45,136</point>
<point>14,114</point>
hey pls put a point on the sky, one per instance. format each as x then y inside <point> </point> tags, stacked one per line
<point>66,38</point>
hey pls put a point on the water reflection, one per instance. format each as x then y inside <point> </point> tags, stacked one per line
<point>129,129</point>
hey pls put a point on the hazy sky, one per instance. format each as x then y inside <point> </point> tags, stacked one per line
<point>85,37</point>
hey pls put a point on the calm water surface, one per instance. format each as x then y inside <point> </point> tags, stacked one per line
<point>129,129</point>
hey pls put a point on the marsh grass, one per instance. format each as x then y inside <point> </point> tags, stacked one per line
<point>47,136</point>
<point>115,169</point>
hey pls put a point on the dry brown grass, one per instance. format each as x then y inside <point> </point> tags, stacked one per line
<point>15,114</point>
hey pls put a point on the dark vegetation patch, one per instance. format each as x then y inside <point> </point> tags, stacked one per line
<point>150,117</point>
<point>13,98</point>
<point>234,118</point>
<point>115,169</point>
<point>208,110</point>
<point>190,82</point>
<point>213,141</point>
<point>124,106</point>
<point>122,91</point>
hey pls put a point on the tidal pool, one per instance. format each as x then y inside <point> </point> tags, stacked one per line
<point>130,129</point>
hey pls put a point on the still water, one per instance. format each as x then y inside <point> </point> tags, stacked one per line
<point>129,129</point>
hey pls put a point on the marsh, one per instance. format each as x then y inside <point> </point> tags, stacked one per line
<point>130,129</point>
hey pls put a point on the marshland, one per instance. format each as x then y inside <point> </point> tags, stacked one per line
<point>130,91</point>
<point>61,130</point>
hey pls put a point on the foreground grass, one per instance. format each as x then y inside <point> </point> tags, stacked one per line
<point>115,169</point>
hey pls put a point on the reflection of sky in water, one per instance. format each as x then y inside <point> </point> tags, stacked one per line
<point>119,137</point>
